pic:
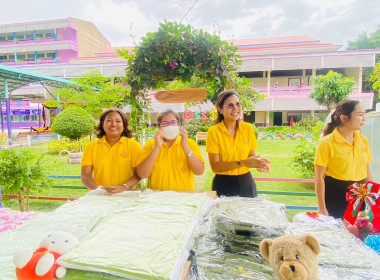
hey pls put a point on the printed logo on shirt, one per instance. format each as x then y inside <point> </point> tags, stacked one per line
<point>124,155</point>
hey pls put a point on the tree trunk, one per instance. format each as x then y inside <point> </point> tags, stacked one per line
<point>21,197</point>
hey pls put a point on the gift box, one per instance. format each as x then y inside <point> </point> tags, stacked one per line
<point>367,194</point>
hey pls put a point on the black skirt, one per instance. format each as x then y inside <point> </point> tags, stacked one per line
<point>335,196</point>
<point>234,185</point>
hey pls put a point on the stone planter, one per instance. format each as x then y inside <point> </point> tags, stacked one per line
<point>74,157</point>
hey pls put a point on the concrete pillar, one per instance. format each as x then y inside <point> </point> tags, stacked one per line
<point>268,83</point>
<point>360,80</point>
<point>267,119</point>
<point>285,117</point>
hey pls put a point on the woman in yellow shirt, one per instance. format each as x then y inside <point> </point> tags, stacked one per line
<point>110,162</point>
<point>342,158</point>
<point>170,161</point>
<point>231,146</point>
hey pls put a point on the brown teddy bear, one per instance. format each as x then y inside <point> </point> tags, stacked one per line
<point>292,257</point>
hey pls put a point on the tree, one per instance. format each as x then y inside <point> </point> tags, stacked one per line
<point>375,78</point>
<point>96,92</point>
<point>21,173</point>
<point>73,122</point>
<point>177,52</point>
<point>330,89</point>
<point>366,41</point>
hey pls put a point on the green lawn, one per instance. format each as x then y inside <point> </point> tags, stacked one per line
<point>278,151</point>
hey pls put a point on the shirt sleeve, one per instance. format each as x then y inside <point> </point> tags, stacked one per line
<point>254,144</point>
<point>146,150</point>
<point>87,154</point>
<point>195,149</point>
<point>212,143</point>
<point>369,155</point>
<point>136,151</point>
<point>322,154</point>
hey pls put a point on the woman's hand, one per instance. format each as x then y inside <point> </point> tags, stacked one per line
<point>115,189</point>
<point>262,164</point>
<point>323,211</point>
<point>159,138</point>
<point>184,137</point>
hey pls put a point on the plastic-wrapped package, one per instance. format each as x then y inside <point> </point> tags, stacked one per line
<point>148,239</point>
<point>343,256</point>
<point>83,212</point>
<point>227,241</point>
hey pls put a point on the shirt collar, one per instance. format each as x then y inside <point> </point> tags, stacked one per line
<point>121,140</point>
<point>223,127</point>
<point>339,138</point>
<point>178,140</point>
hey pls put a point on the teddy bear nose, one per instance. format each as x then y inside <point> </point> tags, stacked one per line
<point>292,268</point>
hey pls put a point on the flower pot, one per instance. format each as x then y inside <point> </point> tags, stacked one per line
<point>74,157</point>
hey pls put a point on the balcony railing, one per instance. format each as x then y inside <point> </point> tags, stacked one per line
<point>292,91</point>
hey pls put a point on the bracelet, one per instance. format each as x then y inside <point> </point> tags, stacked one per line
<point>126,186</point>
<point>99,187</point>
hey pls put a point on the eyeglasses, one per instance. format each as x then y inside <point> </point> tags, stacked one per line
<point>173,122</point>
<point>232,105</point>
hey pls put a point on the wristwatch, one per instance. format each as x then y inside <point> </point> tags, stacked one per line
<point>239,163</point>
<point>189,154</point>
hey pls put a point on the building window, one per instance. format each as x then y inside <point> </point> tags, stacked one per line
<point>29,36</point>
<point>11,56</point>
<point>3,57</point>
<point>50,55</point>
<point>21,56</point>
<point>30,56</point>
<point>10,38</point>
<point>41,55</point>
<point>2,38</point>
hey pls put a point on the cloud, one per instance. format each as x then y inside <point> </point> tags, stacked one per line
<point>330,21</point>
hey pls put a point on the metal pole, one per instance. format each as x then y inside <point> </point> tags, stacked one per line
<point>1,114</point>
<point>8,109</point>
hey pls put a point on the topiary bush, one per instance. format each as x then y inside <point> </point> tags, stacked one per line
<point>73,122</point>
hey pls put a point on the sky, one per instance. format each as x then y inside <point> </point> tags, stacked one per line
<point>124,22</point>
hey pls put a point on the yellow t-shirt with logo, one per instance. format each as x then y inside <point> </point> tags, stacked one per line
<point>229,148</point>
<point>171,171</point>
<point>342,160</point>
<point>112,166</point>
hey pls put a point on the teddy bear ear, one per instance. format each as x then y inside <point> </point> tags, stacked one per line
<point>312,242</point>
<point>264,247</point>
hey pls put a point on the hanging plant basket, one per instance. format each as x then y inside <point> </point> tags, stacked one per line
<point>181,95</point>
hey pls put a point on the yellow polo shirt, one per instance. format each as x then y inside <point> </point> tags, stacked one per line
<point>112,166</point>
<point>171,170</point>
<point>229,148</point>
<point>342,160</point>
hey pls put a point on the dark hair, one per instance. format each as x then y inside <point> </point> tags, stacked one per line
<point>167,112</point>
<point>99,130</point>
<point>220,103</point>
<point>345,107</point>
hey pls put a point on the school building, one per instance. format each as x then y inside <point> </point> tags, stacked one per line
<point>278,67</point>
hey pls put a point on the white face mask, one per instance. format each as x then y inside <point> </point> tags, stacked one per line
<point>171,132</point>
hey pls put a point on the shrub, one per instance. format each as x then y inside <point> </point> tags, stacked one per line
<point>73,122</point>
<point>193,126</point>
<point>21,173</point>
<point>55,146</point>
<point>303,159</point>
